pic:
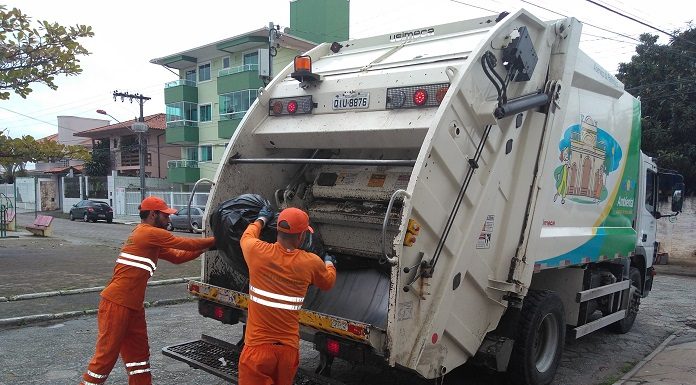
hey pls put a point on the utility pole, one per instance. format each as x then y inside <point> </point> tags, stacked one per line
<point>140,129</point>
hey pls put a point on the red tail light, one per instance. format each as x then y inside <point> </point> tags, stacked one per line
<point>219,312</point>
<point>278,108</point>
<point>292,106</point>
<point>333,347</point>
<point>440,95</point>
<point>420,97</point>
<point>90,209</point>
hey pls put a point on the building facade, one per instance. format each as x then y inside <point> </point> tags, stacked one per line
<point>218,82</point>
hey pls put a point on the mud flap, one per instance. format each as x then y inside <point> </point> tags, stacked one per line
<point>221,358</point>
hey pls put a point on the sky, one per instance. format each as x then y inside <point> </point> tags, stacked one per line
<point>129,33</point>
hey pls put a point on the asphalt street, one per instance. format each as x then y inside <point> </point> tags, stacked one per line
<point>56,352</point>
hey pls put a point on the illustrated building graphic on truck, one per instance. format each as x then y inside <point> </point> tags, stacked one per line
<point>585,163</point>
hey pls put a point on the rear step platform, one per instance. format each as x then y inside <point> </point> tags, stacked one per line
<point>221,358</point>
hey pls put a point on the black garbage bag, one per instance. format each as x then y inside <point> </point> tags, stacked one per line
<point>229,221</point>
<point>232,217</point>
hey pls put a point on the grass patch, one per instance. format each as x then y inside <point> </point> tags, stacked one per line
<point>627,366</point>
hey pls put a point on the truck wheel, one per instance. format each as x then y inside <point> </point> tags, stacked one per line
<point>625,325</point>
<point>539,341</point>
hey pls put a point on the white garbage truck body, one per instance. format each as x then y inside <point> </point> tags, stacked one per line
<point>481,184</point>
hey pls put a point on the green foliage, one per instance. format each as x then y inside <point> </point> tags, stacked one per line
<point>16,152</point>
<point>36,54</point>
<point>100,165</point>
<point>664,77</point>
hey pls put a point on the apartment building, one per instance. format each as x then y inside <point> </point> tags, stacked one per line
<point>219,81</point>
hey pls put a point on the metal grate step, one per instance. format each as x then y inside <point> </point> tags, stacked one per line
<point>220,358</point>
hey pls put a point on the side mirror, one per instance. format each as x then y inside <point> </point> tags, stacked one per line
<point>75,205</point>
<point>677,201</point>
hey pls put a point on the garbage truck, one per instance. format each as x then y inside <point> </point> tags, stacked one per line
<point>480,183</point>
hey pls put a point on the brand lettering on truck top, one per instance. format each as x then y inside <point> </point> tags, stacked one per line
<point>417,33</point>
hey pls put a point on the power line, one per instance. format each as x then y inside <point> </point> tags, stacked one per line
<point>473,6</point>
<point>640,22</point>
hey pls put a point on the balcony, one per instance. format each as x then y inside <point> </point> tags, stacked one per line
<point>182,132</point>
<point>228,123</point>
<point>132,159</point>
<point>181,90</point>
<point>183,171</point>
<point>238,78</point>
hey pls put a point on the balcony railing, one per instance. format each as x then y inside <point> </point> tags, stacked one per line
<point>133,159</point>
<point>233,115</point>
<point>235,70</point>
<point>182,123</point>
<point>180,82</point>
<point>183,163</point>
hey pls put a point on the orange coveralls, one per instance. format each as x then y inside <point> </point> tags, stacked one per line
<point>121,316</point>
<point>278,281</point>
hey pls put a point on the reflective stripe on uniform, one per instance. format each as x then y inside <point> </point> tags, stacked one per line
<point>136,264</point>
<point>139,259</point>
<point>131,364</point>
<point>275,296</point>
<point>139,371</point>
<point>95,375</point>
<point>276,305</point>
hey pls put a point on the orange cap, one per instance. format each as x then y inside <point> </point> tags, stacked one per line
<point>153,203</point>
<point>293,221</point>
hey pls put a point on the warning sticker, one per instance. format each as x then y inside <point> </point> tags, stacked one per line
<point>484,239</point>
<point>376,180</point>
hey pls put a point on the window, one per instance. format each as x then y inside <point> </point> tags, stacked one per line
<point>182,114</point>
<point>234,104</point>
<point>650,191</point>
<point>251,58</point>
<point>205,112</point>
<point>206,154</point>
<point>226,62</point>
<point>191,75</point>
<point>191,153</point>
<point>204,72</point>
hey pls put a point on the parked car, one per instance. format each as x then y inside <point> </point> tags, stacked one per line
<point>91,210</point>
<point>180,220</point>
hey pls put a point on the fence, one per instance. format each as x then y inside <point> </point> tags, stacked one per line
<point>175,200</point>
<point>25,189</point>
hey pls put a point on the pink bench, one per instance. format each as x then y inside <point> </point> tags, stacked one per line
<point>41,226</point>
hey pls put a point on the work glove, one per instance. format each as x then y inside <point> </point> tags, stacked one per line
<point>266,214</point>
<point>330,258</point>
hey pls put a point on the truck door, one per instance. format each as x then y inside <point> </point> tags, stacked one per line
<point>647,210</point>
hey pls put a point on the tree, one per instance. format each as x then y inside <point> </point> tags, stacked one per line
<point>36,55</point>
<point>664,77</point>
<point>16,152</point>
<point>100,165</point>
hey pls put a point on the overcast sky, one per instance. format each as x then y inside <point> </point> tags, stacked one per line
<point>128,34</point>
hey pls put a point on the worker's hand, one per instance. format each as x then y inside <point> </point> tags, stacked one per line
<point>266,214</point>
<point>328,258</point>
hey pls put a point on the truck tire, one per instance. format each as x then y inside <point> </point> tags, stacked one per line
<point>536,353</point>
<point>624,326</point>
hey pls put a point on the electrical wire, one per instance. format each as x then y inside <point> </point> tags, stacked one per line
<point>640,22</point>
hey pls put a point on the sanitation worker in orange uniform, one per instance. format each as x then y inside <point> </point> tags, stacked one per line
<point>279,274</point>
<point>121,316</point>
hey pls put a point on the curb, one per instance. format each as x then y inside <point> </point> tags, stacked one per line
<point>30,319</point>
<point>22,297</point>
<point>647,359</point>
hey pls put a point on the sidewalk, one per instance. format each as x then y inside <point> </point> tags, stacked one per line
<point>50,306</point>
<point>672,363</point>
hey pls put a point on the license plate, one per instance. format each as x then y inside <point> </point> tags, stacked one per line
<point>102,216</point>
<point>355,101</point>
